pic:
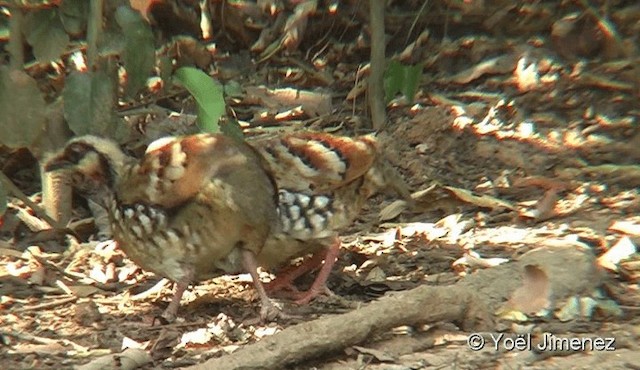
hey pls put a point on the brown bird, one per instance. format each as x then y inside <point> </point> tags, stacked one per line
<point>323,180</point>
<point>200,206</point>
<point>192,208</point>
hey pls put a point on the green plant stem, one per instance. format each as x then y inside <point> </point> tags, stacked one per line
<point>15,48</point>
<point>376,79</point>
<point>94,30</point>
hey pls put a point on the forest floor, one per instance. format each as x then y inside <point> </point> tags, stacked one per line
<point>508,148</point>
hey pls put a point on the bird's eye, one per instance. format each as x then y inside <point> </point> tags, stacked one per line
<point>75,152</point>
<point>77,148</point>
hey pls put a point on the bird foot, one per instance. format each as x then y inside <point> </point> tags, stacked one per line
<point>169,315</point>
<point>171,312</point>
<point>164,319</point>
<point>284,289</point>
<point>270,312</point>
<point>303,298</point>
<point>281,285</point>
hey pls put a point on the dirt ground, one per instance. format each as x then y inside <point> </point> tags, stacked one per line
<point>513,145</point>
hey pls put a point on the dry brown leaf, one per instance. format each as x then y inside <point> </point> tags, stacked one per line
<point>393,210</point>
<point>627,227</point>
<point>83,291</point>
<point>534,295</point>
<point>8,251</point>
<point>624,248</point>
<point>409,53</point>
<point>473,260</point>
<point>593,80</point>
<point>312,103</point>
<point>484,201</point>
<point>545,206</point>
<point>43,349</point>
<point>297,24</point>
<point>358,89</point>
<point>526,75</point>
<point>500,65</point>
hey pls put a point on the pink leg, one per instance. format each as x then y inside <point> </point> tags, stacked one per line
<point>285,279</point>
<point>319,284</point>
<point>171,312</point>
<point>268,311</point>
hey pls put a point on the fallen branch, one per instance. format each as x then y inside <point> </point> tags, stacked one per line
<point>469,303</point>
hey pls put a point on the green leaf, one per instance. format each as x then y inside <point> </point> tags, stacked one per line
<point>392,80</point>
<point>231,127</point>
<point>45,33</point>
<point>233,89</point>
<point>208,95</point>
<point>74,15</point>
<point>22,108</point>
<point>88,103</point>
<point>400,78</point>
<point>139,51</point>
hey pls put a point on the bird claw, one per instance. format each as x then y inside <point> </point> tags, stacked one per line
<point>270,312</point>
<point>285,288</point>
<point>306,297</point>
<point>169,315</point>
<point>163,319</point>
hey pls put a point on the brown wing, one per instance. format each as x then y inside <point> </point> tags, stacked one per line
<point>317,161</point>
<point>174,170</point>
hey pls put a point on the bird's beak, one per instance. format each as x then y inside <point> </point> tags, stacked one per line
<point>57,163</point>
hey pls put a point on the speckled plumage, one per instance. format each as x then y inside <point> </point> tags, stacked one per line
<point>167,210</point>
<point>323,181</point>
<point>199,206</point>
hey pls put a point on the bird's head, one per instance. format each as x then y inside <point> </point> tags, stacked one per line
<point>88,163</point>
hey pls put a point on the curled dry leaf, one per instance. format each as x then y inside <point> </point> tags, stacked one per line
<point>526,75</point>
<point>297,24</point>
<point>484,201</point>
<point>534,296</point>
<point>454,225</point>
<point>413,50</point>
<point>312,103</point>
<point>545,207</point>
<point>500,65</point>
<point>358,89</point>
<point>473,260</point>
<point>393,210</point>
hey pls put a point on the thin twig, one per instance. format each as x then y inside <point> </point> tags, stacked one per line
<point>44,306</point>
<point>43,340</point>
<point>415,20</point>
